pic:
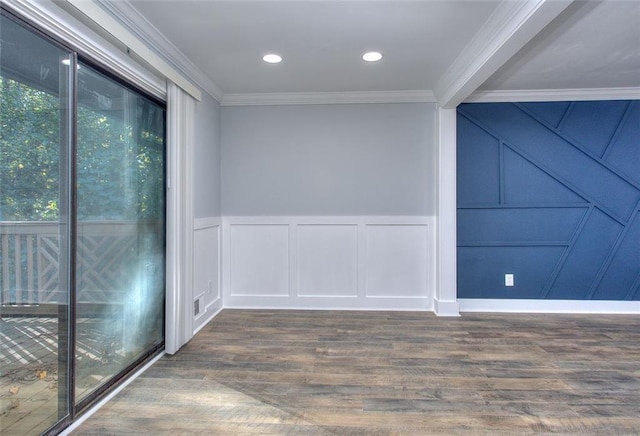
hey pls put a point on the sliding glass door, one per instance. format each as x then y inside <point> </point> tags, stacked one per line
<point>35,139</point>
<point>120,229</point>
<point>82,225</point>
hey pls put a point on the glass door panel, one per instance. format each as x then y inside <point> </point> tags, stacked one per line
<point>82,225</point>
<point>34,230</point>
<point>120,235</point>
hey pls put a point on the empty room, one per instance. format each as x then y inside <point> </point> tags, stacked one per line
<point>319,217</point>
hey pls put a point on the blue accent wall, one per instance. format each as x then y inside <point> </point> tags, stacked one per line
<point>549,192</point>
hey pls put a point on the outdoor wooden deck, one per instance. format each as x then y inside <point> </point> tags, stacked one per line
<point>29,369</point>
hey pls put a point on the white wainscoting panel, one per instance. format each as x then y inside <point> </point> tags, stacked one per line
<point>259,262</point>
<point>349,263</point>
<point>397,261</point>
<point>207,284</point>
<point>327,260</point>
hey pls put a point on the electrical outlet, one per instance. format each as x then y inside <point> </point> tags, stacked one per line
<point>508,279</point>
<point>210,286</point>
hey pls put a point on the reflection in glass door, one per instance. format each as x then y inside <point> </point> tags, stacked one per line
<point>82,225</point>
<point>34,230</point>
<point>120,242</point>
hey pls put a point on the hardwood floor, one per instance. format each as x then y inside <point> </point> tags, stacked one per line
<point>389,373</point>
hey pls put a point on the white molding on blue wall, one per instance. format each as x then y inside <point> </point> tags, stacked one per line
<point>542,95</point>
<point>301,98</point>
<point>510,27</point>
<point>549,306</point>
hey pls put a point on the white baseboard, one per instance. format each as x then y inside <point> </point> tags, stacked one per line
<point>216,307</point>
<point>328,303</point>
<point>549,306</point>
<point>446,308</point>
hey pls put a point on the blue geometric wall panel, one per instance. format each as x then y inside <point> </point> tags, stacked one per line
<point>485,267</point>
<point>549,192</point>
<point>593,123</point>
<point>551,113</point>
<point>524,182</point>
<point>481,164</point>
<point>624,152</point>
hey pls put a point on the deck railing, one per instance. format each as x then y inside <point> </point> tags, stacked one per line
<point>108,254</point>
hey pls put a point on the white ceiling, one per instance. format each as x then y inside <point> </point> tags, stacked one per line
<point>591,44</point>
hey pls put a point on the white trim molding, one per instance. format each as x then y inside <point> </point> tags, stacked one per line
<point>300,98</point>
<point>508,29</point>
<point>449,308</point>
<point>206,223</point>
<point>179,312</point>
<point>333,263</point>
<point>541,95</point>
<point>549,306</point>
<point>95,11</point>
<point>48,16</point>
<point>446,233</point>
<point>136,23</point>
<point>207,267</point>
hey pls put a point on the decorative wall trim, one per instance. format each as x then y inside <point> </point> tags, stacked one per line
<point>179,311</point>
<point>509,28</point>
<point>300,98</point>
<point>549,306</point>
<point>139,26</point>
<point>120,32</point>
<point>330,303</point>
<point>205,223</point>
<point>320,262</point>
<point>535,200</point>
<point>68,29</point>
<point>205,321</point>
<point>446,308</point>
<point>445,236</point>
<point>543,95</point>
<point>207,267</point>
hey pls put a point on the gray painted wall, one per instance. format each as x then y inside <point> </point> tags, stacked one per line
<point>353,159</point>
<point>206,164</point>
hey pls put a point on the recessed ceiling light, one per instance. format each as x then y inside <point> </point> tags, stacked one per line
<point>272,58</point>
<point>372,56</point>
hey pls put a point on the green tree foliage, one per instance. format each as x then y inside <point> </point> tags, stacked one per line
<point>120,157</point>
<point>29,153</point>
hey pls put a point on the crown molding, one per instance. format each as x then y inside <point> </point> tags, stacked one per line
<point>303,98</point>
<point>64,25</point>
<point>508,29</point>
<point>139,26</point>
<point>533,95</point>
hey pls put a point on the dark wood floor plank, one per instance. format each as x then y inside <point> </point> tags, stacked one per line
<point>389,373</point>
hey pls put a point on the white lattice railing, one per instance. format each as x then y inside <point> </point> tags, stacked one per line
<point>108,256</point>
